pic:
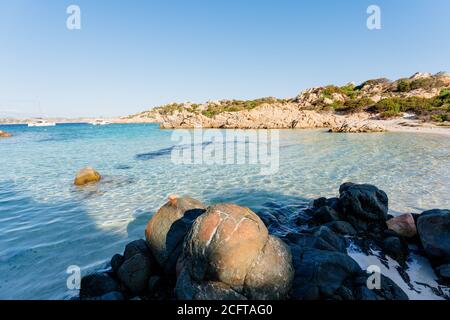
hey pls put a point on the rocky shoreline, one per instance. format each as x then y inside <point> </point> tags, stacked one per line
<point>350,108</point>
<point>225,252</point>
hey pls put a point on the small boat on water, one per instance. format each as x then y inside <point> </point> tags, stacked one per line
<point>41,123</point>
<point>99,122</point>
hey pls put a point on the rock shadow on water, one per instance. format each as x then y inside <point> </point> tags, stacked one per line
<point>167,151</point>
<point>41,240</point>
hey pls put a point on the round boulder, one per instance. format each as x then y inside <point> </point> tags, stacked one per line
<point>167,229</point>
<point>87,175</point>
<point>231,245</point>
<point>433,227</point>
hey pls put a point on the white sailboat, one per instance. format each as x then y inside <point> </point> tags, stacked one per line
<point>41,123</point>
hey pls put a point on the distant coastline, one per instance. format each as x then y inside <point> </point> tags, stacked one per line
<point>420,103</point>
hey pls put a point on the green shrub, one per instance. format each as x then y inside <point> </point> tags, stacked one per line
<point>441,117</point>
<point>426,83</point>
<point>403,85</point>
<point>389,114</point>
<point>238,105</point>
<point>444,96</point>
<point>328,91</point>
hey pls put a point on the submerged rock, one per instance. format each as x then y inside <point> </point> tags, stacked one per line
<point>404,225</point>
<point>87,175</point>
<point>167,229</point>
<point>231,245</point>
<point>4,134</point>
<point>433,227</point>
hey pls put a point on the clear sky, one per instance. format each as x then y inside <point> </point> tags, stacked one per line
<point>133,55</point>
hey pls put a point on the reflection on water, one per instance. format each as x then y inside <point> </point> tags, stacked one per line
<point>47,224</point>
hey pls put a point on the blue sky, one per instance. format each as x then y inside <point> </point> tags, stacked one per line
<point>132,55</point>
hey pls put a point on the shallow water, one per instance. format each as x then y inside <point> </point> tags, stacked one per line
<point>47,224</point>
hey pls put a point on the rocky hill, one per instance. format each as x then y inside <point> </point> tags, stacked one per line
<point>423,96</point>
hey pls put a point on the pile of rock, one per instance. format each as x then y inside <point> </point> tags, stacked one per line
<point>193,252</point>
<point>4,134</point>
<point>225,251</point>
<point>361,213</point>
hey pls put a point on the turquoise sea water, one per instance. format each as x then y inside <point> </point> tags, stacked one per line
<point>47,224</point>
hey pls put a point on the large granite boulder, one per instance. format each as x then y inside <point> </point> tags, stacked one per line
<point>433,227</point>
<point>363,205</point>
<point>231,245</point>
<point>167,229</point>
<point>87,175</point>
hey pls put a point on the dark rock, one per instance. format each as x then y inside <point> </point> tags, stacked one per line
<point>322,238</point>
<point>341,227</point>
<point>364,293</point>
<point>325,214</point>
<point>396,248</point>
<point>345,293</point>
<point>319,273</point>
<point>153,283</point>
<point>434,230</point>
<point>389,290</point>
<point>97,285</point>
<point>160,288</point>
<point>320,202</point>
<point>444,272</point>
<point>189,289</point>
<point>363,205</point>
<point>135,272</point>
<point>136,247</point>
<point>116,261</point>
<point>115,295</point>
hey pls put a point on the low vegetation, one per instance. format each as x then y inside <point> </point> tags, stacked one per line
<point>407,85</point>
<point>436,109</point>
<point>238,105</point>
